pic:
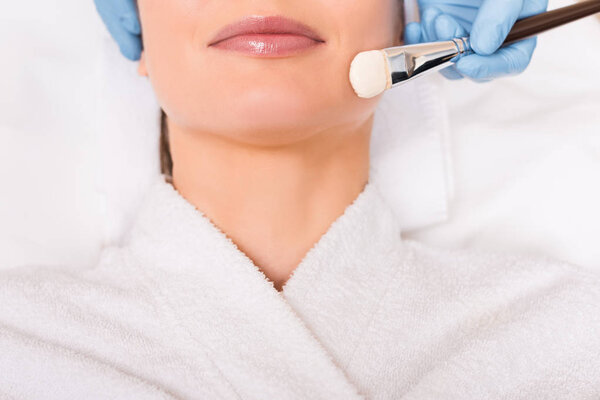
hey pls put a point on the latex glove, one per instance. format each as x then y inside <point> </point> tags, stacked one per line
<point>121,19</point>
<point>488,22</point>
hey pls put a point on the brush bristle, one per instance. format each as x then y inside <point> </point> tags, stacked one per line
<point>368,73</point>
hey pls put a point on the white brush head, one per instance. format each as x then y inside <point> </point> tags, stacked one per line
<point>369,73</point>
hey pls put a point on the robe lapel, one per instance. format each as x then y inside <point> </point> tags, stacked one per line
<point>339,289</point>
<point>227,307</point>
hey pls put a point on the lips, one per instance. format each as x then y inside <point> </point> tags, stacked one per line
<point>266,36</point>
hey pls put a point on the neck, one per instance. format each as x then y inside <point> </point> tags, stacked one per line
<point>273,202</point>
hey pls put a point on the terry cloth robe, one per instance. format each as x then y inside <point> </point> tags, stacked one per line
<point>179,312</point>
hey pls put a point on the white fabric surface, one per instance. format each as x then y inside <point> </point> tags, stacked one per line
<point>179,312</point>
<point>526,154</point>
<point>78,133</point>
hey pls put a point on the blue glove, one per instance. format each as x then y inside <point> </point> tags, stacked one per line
<point>488,22</point>
<point>121,19</point>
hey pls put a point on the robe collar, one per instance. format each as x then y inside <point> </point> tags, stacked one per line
<point>221,299</point>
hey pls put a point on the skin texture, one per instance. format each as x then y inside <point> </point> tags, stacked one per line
<point>272,150</point>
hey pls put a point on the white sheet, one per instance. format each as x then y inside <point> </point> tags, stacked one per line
<point>526,154</point>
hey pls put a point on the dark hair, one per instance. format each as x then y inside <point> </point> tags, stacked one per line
<point>166,161</point>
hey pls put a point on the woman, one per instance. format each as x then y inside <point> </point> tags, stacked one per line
<point>268,266</point>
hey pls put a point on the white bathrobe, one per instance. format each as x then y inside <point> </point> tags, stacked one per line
<point>179,312</point>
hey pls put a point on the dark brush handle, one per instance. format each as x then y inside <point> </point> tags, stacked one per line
<point>534,25</point>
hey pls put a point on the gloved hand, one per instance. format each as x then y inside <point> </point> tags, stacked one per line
<point>121,19</point>
<point>488,22</point>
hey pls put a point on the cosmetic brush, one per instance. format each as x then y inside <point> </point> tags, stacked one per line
<point>372,72</point>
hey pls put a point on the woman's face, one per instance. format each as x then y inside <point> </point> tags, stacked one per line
<point>258,100</point>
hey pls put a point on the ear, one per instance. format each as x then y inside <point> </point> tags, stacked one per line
<point>142,71</point>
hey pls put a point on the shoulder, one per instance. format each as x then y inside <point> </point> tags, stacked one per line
<point>493,284</point>
<point>50,284</point>
<point>93,330</point>
<point>474,324</point>
<point>58,303</point>
<point>478,270</point>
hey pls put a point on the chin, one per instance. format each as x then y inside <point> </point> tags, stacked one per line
<point>271,133</point>
<point>274,116</point>
<point>271,137</point>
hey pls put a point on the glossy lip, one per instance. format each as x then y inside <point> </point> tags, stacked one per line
<point>266,36</point>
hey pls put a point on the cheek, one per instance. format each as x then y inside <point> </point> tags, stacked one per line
<point>167,30</point>
<point>367,24</point>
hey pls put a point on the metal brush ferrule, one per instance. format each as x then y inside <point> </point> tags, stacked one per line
<point>407,62</point>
